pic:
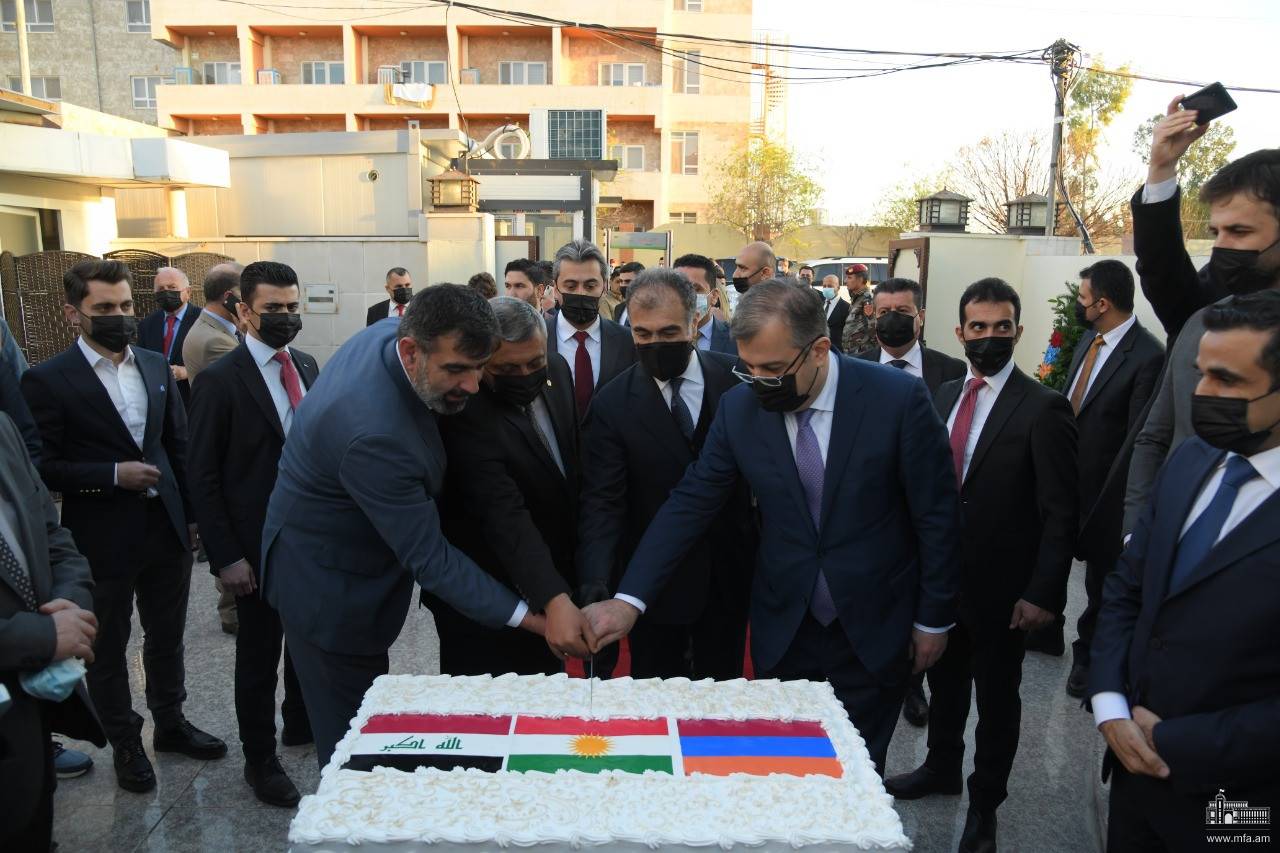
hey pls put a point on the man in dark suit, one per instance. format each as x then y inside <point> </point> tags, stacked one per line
<point>399,287</point>
<point>837,309</point>
<point>241,414</point>
<point>352,522</point>
<point>114,439</point>
<point>858,566</point>
<point>511,501</point>
<point>1123,362</point>
<point>45,616</point>
<point>595,348</point>
<point>165,329</point>
<point>619,288</point>
<point>1013,444</point>
<point>712,334</point>
<point>643,432</point>
<point>1185,679</point>
<point>899,322</point>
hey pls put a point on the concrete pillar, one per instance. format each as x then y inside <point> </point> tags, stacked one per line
<point>352,61</point>
<point>250,54</point>
<point>559,68</point>
<point>24,58</point>
<point>177,197</point>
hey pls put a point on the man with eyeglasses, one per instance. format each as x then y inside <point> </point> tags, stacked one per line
<point>859,334</point>
<point>857,572</point>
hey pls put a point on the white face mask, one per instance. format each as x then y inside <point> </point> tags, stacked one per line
<point>828,293</point>
<point>703,303</point>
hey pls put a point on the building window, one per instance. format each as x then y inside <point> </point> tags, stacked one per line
<point>684,152</point>
<point>144,91</point>
<point>630,157</point>
<point>621,74</point>
<point>575,134</point>
<point>522,73</point>
<point>321,72</point>
<point>221,73</point>
<point>138,16</point>
<point>39,16</point>
<point>688,72</point>
<point>509,150</point>
<point>688,5</point>
<point>46,88</point>
<point>687,218</point>
<point>419,71</point>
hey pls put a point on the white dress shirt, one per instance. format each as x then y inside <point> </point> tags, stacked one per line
<point>569,347</point>
<point>391,309</point>
<point>9,530</point>
<point>690,389</point>
<point>914,358</point>
<point>1109,342</point>
<point>1162,191</point>
<point>831,304</point>
<point>1110,705</point>
<point>522,607</point>
<point>127,390</point>
<point>541,414</point>
<point>226,324</point>
<point>987,395</point>
<point>265,357</point>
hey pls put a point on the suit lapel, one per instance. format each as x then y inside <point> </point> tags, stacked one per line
<point>1011,396</point>
<point>81,376</point>
<point>558,395</point>
<point>652,411</point>
<point>945,399</point>
<point>251,376</point>
<point>1111,366</point>
<point>156,383</point>
<point>1255,532</point>
<point>931,370</point>
<point>307,369</point>
<point>845,422</point>
<point>23,516</point>
<point>522,425</point>
<point>609,354</point>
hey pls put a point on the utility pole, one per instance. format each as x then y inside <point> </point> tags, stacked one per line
<point>24,60</point>
<point>1059,55</point>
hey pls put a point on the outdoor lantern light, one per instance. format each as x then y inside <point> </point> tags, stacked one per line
<point>455,191</point>
<point>1028,214</point>
<point>943,211</point>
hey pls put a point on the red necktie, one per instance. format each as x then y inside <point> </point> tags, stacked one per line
<point>399,310</point>
<point>963,424</point>
<point>583,380</point>
<point>289,377</point>
<point>169,323</point>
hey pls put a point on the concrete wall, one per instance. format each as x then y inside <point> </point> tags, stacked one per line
<point>288,53</point>
<point>583,56</point>
<point>313,124</point>
<point>216,126</point>
<point>392,50</point>
<point>485,52</point>
<point>87,212</point>
<point>638,133</point>
<point>218,48</point>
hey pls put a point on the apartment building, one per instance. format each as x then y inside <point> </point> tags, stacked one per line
<point>637,96</point>
<point>95,53</point>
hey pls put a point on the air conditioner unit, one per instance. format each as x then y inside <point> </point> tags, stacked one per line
<point>268,77</point>
<point>471,76</point>
<point>184,76</point>
<point>389,74</point>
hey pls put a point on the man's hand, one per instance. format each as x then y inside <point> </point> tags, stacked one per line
<point>1127,741</point>
<point>568,630</point>
<point>136,476</point>
<point>1146,721</point>
<point>1028,617</point>
<point>926,648</point>
<point>238,578</point>
<point>1170,139</point>
<point>534,623</point>
<point>75,629</point>
<point>611,620</point>
<point>179,372</point>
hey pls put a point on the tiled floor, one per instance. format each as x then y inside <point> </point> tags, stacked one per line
<point>206,806</point>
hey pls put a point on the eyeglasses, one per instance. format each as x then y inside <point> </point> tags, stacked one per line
<point>775,381</point>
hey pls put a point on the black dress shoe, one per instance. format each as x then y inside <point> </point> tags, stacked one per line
<point>922,782</point>
<point>133,768</point>
<point>297,733</point>
<point>979,832</point>
<point>916,708</point>
<point>190,741</point>
<point>1048,640</point>
<point>271,784</point>
<point>1077,681</point>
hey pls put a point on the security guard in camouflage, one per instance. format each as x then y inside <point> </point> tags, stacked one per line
<point>859,329</point>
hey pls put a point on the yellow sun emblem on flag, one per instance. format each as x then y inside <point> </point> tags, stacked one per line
<point>591,746</point>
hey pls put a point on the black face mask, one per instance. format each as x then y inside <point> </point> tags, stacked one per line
<point>1082,314</point>
<point>277,330</point>
<point>1238,271</point>
<point>113,332</point>
<point>1223,422</point>
<point>229,303</point>
<point>989,355</point>
<point>401,295</point>
<point>579,308</point>
<point>743,283</point>
<point>665,360</point>
<point>520,391</point>
<point>784,397</point>
<point>895,329</point>
<point>169,300</point>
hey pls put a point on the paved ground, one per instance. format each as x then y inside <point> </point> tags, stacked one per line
<point>206,806</point>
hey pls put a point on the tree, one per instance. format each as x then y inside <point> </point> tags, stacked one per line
<point>1206,156</point>
<point>763,190</point>
<point>1100,196</point>
<point>897,208</point>
<point>850,236</point>
<point>998,169</point>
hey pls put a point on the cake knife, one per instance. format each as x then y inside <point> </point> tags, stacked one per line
<point>591,685</point>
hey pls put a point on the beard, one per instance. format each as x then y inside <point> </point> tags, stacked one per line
<point>440,402</point>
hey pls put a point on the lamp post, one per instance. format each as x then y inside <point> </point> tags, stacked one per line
<point>455,192</point>
<point>943,211</point>
<point>1028,214</point>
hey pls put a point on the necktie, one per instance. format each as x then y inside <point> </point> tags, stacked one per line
<point>900,363</point>
<point>583,380</point>
<point>1086,370</point>
<point>18,576</point>
<point>537,430</point>
<point>399,310</point>
<point>1203,533</point>
<point>963,424</point>
<point>811,470</point>
<point>169,323</point>
<point>289,378</point>
<point>680,411</point>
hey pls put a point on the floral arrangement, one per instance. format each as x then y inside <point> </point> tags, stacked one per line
<point>1062,341</point>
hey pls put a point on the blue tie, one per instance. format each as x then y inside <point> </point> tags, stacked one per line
<point>810,468</point>
<point>1205,530</point>
<point>680,411</point>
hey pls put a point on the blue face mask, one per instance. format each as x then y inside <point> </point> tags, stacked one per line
<point>55,682</point>
<point>828,293</point>
<point>703,302</point>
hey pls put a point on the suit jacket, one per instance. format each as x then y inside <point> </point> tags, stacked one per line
<point>1202,656</point>
<point>236,440</point>
<point>721,338</point>
<point>835,323</point>
<point>1168,278</point>
<point>352,522</point>
<point>633,456</point>
<point>207,342</point>
<point>151,336</point>
<point>617,349</point>
<point>1113,406</point>
<point>83,439</point>
<point>888,541</point>
<point>935,366</point>
<point>14,405</point>
<point>377,311</point>
<point>505,503</point>
<point>1019,500</point>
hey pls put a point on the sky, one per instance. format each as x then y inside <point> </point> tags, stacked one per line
<point>862,137</point>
